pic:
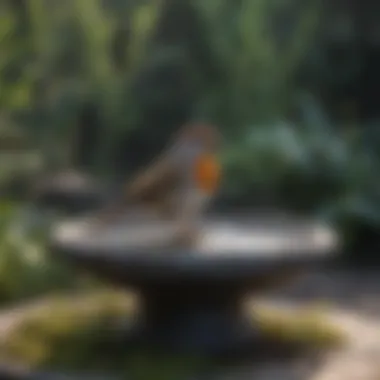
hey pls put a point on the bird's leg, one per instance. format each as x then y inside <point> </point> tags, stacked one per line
<point>189,218</point>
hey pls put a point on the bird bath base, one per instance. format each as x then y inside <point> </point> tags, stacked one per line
<point>197,317</point>
<point>193,300</point>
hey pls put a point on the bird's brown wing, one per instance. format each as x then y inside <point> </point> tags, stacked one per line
<point>155,184</point>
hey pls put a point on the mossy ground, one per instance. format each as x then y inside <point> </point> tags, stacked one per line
<point>71,333</point>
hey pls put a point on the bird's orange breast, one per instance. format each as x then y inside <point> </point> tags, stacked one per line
<point>207,173</point>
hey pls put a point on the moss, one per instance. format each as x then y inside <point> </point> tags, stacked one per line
<point>67,332</point>
<point>308,327</point>
<point>71,334</point>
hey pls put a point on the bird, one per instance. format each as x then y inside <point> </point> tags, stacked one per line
<point>179,184</point>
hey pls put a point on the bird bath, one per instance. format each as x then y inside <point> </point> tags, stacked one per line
<point>192,298</point>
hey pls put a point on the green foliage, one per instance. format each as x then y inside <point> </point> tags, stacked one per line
<point>283,154</point>
<point>258,68</point>
<point>65,60</point>
<point>70,62</point>
<point>26,269</point>
<point>309,169</point>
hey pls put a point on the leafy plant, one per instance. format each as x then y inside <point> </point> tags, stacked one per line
<point>257,66</point>
<point>26,268</point>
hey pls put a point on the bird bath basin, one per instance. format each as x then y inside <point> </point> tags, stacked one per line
<point>192,298</point>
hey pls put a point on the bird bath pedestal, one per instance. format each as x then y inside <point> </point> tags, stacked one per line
<point>192,299</point>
